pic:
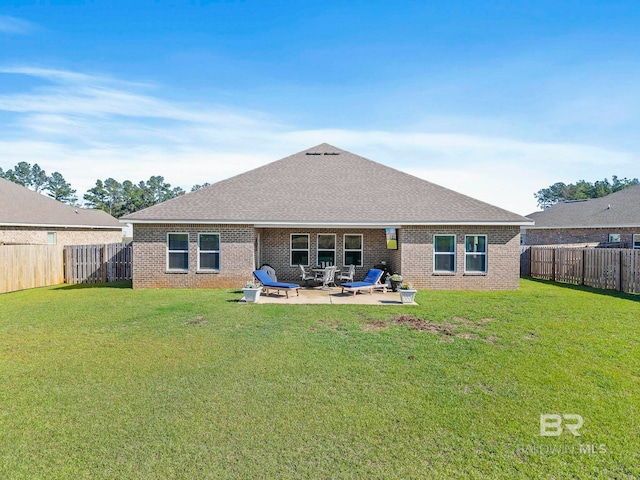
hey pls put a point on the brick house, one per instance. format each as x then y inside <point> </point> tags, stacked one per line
<point>325,204</point>
<point>611,220</point>
<point>29,218</point>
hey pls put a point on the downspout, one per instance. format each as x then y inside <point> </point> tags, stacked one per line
<point>257,258</point>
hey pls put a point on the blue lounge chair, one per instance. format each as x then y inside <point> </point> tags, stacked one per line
<point>371,281</point>
<point>268,284</point>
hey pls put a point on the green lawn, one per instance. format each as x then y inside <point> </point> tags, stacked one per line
<point>109,382</point>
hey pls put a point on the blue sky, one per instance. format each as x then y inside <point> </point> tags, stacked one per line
<point>495,99</point>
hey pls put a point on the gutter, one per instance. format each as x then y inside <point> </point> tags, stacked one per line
<point>284,224</point>
<point>583,226</point>
<point>50,225</point>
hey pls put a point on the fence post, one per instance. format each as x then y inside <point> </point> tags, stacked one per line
<point>553,264</point>
<point>620,261</point>
<point>104,263</point>
<point>68,264</point>
<point>584,264</point>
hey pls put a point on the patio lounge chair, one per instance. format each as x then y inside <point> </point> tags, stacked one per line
<point>270,271</point>
<point>268,284</point>
<point>371,281</point>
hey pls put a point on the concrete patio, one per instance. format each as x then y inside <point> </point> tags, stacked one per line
<point>333,296</point>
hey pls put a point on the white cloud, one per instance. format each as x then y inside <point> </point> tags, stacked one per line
<point>15,26</point>
<point>90,126</point>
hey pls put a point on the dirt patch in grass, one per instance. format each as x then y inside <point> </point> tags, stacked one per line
<point>196,322</point>
<point>467,335</point>
<point>446,330</point>
<point>415,323</point>
<point>329,324</point>
<point>374,325</point>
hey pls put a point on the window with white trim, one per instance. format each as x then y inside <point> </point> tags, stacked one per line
<point>353,249</point>
<point>475,253</point>
<point>209,251</point>
<point>614,238</point>
<point>177,251</point>
<point>51,238</point>
<point>299,249</point>
<point>444,253</point>
<point>326,249</point>
<point>636,240</point>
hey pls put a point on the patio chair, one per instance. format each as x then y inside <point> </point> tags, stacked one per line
<point>349,275</point>
<point>269,284</point>
<point>328,277</point>
<point>371,281</point>
<point>305,276</point>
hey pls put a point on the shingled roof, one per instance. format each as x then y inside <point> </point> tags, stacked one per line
<point>325,185</point>
<point>20,206</point>
<point>619,209</point>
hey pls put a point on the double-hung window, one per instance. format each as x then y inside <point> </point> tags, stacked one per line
<point>326,249</point>
<point>444,253</point>
<point>475,253</point>
<point>299,249</point>
<point>353,250</point>
<point>614,238</point>
<point>177,251</point>
<point>636,240</point>
<point>51,238</point>
<point>209,251</point>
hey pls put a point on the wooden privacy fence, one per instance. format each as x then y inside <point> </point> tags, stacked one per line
<point>607,268</point>
<point>30,266</point>
<point>98,263</point>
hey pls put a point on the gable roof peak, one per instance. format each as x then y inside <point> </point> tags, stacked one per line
<point>618,209</point>
<point>322,149</point>
<point>21,206</point>
<point>325,185</point>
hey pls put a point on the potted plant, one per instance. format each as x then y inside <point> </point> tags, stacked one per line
<point>396,280</point>
<point>252,292</point>
<point>407,293</point>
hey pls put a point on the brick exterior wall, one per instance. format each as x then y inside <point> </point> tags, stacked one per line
<point>587,236</point>
<point>239,254</point>
<point>64,236</point>
<point>150,256</point>
<point>503,258</point>
<point>275,246</point>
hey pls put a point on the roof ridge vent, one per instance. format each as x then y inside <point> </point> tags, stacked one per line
<point>313,153</point>
<point>332,153</point>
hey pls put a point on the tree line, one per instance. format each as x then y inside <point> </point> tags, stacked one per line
<point>581,190</point>
<point>36,178</point>
<point>113,197</point>
<point>120,199</point>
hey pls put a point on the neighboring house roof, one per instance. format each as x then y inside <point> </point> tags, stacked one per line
<point>21,207</point>
<point>619,209</point>
<point>325,185</point>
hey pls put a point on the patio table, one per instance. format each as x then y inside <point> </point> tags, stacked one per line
<point>319,273</point>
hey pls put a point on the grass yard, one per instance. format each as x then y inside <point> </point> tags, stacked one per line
<point>114,383</point>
